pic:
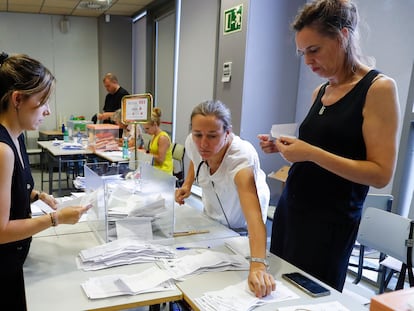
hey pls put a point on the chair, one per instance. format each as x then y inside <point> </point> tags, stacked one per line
<point>392,235</point>
<point>31,151</point>
<point>382,202</point>
<point>178,153</point>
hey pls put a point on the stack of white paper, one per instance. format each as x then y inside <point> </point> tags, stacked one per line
<point>324,306</point>
<point>238,297</point>
<point>205,261</point>
<point>150,280</point>
<point>124,203</point>
<point>122,252</point>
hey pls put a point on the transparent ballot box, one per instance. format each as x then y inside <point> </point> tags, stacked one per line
<point>78,127</point>
<point>131,199</point>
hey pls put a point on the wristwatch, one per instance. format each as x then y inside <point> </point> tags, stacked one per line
<point>261,260</point>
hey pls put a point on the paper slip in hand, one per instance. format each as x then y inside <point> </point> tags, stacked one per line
<point>284,130</point>
<point>40,208</point>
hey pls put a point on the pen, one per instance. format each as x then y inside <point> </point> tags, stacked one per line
<point>191,232</point>
<point>183,248</point>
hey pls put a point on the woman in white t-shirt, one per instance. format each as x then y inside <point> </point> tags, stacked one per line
<point>234,187</point>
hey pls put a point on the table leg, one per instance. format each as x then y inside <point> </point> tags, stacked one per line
<point>60,177</point>
<point>50,167</point>
<point>41,169</point>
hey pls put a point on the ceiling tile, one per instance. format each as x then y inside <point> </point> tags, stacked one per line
<point>69,7</point>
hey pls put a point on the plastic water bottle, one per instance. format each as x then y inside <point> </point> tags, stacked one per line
<point>125,151</point>
<point>66,136</point>
<point>79,138</point>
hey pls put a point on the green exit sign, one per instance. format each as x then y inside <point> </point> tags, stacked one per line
<point>233,19</point>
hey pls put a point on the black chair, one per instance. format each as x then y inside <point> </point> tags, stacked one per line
<point>178,153</point>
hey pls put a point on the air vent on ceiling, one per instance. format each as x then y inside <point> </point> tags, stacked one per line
<point>95,4</point>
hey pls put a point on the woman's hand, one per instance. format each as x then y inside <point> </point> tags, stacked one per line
<point>181,194</point>
<point>267,144</point>
<point>71,214</point>
<point>293,149</point>
<point>261,283</point>
<point>48,199</point>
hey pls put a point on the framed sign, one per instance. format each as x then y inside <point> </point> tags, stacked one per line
<point>136,108</point>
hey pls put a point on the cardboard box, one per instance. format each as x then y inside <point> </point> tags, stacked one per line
<point>281,174</point>
<point>399,300</point>
<point>103,137</point>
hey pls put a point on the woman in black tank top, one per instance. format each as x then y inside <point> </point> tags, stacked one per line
<point>346,144</point>
<point>25,87</point>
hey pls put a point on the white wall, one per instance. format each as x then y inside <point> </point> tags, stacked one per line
<point>72,58</point>
<point>197,59</point>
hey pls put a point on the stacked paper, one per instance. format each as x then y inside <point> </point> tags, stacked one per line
<point>122,252</point>
<point>238,297</point>
<point>124,203</point>
<point>205,261</point>
<point>324,306</point>
<point>150,280</point>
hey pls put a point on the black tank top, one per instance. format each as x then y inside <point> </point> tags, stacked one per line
<point>338,130</point>
<point>22,182</point>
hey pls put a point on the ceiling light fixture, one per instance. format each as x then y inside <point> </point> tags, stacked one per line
<point>95,4</point>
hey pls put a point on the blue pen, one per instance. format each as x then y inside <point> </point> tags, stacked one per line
<point>183,248</point>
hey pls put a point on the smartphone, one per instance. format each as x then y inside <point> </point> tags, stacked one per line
<point>309,286</point>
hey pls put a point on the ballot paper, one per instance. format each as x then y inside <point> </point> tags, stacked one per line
<point>139,227</point>
<point>204,261</point>
<point>239,297</point>
<point>124,203</point>
<point>149,280</point>
<point>39,207</point>
<point>122,252</point>
<point>324,306</point>
<point>285,130</point>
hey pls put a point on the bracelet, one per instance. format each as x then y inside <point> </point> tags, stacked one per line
<point>260,260</point>
<point>53,219</point>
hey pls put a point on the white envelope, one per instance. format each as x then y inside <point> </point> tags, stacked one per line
<point>285,130</point>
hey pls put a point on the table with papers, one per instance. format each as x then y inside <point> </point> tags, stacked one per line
<point>205,270</point>
<point>229,288</point>
<point>58,153</point>
<point>53,280</point>
<point>52,273</point>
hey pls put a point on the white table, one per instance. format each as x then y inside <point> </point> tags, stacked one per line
<point>196,286</point>
<point>55,154</point>
<point>53,280</point>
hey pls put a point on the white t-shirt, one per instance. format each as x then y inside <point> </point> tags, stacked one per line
<point>220,187</point>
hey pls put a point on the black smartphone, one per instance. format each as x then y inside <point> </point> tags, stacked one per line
<point>309,286</point>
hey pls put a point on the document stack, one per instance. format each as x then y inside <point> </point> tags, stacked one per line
<point>135,200</point>
<point>150,280</point>
<point>204,261</point>
<point>122,252</point>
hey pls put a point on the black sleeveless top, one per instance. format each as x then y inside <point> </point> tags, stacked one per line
<point>338,130</point>
<point>22,183</point>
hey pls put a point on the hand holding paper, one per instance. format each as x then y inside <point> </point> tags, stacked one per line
<point>284,130</point>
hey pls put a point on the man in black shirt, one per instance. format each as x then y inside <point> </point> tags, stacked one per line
<point>113,99</point>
